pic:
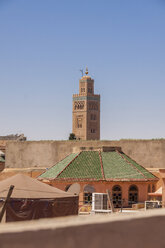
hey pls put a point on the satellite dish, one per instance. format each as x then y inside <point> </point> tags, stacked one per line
<point>74,189</point>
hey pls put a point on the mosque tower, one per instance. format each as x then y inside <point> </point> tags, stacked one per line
<point>86,110</point>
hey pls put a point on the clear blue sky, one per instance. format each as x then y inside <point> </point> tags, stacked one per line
<point>44,43</point>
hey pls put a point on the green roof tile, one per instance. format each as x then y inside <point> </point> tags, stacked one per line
<point>56,169</point>
<point>115,167</point>
<point>145,172</point>
<point>86,165</point>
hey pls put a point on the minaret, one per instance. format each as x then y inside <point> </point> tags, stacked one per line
<point>86,110</point>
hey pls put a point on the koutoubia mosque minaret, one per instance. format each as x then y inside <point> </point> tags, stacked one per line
<point>86,110</point>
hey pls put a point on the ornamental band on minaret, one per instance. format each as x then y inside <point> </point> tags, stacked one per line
<point>86,111</point>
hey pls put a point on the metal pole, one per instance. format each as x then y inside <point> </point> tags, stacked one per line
<point>6,201</point>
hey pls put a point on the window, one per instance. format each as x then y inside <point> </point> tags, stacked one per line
<point>93,130</point>
<point>117,196</point>
<point>133,194</point>
<point>82,90</point>
<point>93,106</point>
<point>79,122</point>
<point>88,190</point>
<point>87,198</point>
<point>79,105</point>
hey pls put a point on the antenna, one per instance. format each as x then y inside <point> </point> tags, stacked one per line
<point>82,72</point>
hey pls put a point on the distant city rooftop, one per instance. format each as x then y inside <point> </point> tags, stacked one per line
<point>19,137</point>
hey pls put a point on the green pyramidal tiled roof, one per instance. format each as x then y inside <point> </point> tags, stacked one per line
<point>55,170</point>
<point>116,167</point>
<point>95,165</point>
<point>145,172</point>
<point>86,165</point>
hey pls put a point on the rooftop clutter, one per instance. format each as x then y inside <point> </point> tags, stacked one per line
<point>2,160</point>
<point>32,199</point>
<point>2,156</point>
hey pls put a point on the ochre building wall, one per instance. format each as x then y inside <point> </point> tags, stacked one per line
<point>27,154</point>
<point>101,187</point>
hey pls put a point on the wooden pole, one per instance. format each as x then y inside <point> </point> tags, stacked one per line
<point>110,201</point>
<point>6,201</point>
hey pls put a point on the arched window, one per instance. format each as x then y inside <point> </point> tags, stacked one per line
<point>88,190</point>
<point>133,195</point>
<point>117,196</point>
<point>67,187</point>
<point>149,188</point>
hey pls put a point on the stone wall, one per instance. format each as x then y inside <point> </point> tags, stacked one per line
<point>149,153</point>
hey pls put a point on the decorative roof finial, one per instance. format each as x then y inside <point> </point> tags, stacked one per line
<point>86,71</point>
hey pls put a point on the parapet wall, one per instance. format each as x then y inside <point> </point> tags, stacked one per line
<point>119,231</point>
<point>27,154</point>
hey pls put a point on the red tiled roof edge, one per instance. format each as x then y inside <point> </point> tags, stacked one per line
<point>77,179</point>
<point>101,163</point>
<point>101,180</point>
